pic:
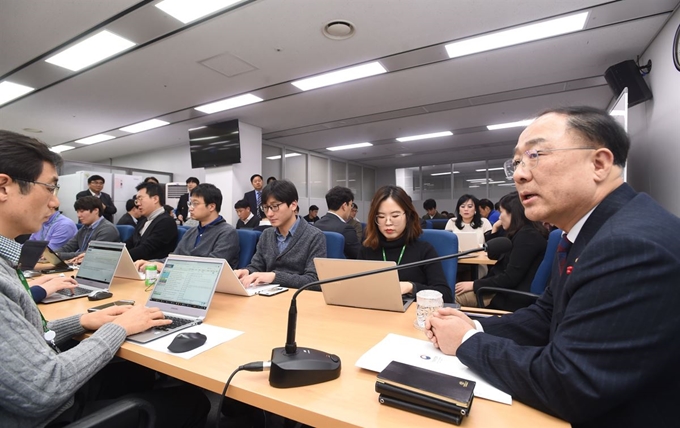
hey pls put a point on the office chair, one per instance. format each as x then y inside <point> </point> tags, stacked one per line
<point>131,412</point>
<point>125,231</point>
<point>438,223</point>
<point>428,225</point>
<point>541,278</point>
<point>335,245</point>
<point>181,230</point>
<point>444,243</point>
<point>79,225</point>
<point>247,240</point>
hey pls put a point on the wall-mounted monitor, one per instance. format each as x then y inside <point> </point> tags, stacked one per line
<point>215,145</point>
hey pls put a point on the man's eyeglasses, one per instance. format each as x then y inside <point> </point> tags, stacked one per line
<point>529,159</point>
<point>273,207</point>
<point>195,204</point>
<point>52,188</point>
<point>382,218</point>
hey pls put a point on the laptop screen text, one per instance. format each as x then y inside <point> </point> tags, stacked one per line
<point>186,283</point>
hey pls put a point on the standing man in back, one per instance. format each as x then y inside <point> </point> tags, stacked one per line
<point>95,184</point>
<point>340,201</point>
<point>254,197</point>
<point>182,210</point>
<point>156,236</point>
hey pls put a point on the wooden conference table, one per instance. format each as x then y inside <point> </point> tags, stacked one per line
<point>478,259</point>
<point>349,400</point>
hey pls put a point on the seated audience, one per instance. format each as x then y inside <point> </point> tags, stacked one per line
<point>183,203</point>
<point>468,218</point>
<point>213,237</point>
<point>151,180</point>
<point>270,179</point>
<point>430,205</point>
<point>486,210</point>
<point>313,214</point>
<point>95,228</point>
<point>246,219</point>
<point>131,217</point>
<point>515,269</point>
<point>285,252</point>
<point>356,224</point>
<point>156,236</point>
<point>57,230</point>
<point>339,200</point>
<point>393,234</point>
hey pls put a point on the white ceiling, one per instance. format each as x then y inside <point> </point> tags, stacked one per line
<point>280,40</point>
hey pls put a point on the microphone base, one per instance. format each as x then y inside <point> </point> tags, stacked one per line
<point>305,367</point>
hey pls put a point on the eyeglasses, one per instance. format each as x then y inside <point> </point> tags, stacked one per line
<point>195,204</point>
<point>273,207</point>
<point>382,218</point>
<point>529,159</point>
<point>52,188</point>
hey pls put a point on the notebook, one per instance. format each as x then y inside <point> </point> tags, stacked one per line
<point>52,258</point>
<point>31,252</point>
<point>183,293</point>
<point>230,284</point>
<point>96,272</point>
<point>468,241</point>
<point>378,291</point>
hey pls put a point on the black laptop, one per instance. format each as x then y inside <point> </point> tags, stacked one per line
<point>52,258</point>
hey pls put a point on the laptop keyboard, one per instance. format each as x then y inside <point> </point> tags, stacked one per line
<point>78,291</point>
<point>176,322</point>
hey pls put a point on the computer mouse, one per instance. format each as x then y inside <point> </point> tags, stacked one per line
<point>185,342</point>
<point>99,295</point>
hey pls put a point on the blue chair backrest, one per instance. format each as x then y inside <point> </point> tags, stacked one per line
<point>335,245</point>
<point>125,231</point>
<point>79,225</point>
<point>438,223</point>
<point>444,243</point>
<point>428,224</point>
<point>181,230</point>
<point>543,273</point>
<point>247,241</point>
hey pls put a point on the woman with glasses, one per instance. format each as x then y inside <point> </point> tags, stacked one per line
<point>515,269</point>
<point>393,235</point>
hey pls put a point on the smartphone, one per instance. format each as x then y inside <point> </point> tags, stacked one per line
<point>273,291</point>
<point>116,303</point>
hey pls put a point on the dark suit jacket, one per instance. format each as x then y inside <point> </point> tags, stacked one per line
<point>252,223</point>
<point>159,240</point>
<point>252,201</point>
<point>437,216</point>
<point>183,207</point>
<point>331,223</point>
<point>110,209</point>
<point>600,348</point>
<point>127,219</point>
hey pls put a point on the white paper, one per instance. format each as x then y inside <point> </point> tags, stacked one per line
<point>216,335</point>
<point>421,353</point>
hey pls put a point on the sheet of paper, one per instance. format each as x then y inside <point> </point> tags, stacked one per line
<point>216,335</point>
<point>422,353</point>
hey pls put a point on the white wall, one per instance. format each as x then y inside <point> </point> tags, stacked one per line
<point>654,159</point>
<point>175,160</point>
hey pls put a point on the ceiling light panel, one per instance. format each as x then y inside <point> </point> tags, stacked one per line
<point>10,91</point>
<point>144,126</point>
<point>186,11</point>
<point>61,148</point>
<point>424,136</point>
<point>348,146</point>
<point>522,123</point>
<point>340,76</point>
<point>95,139</point>
<point>229,103</point>
<point>90,51</point>
<point>517,35</point>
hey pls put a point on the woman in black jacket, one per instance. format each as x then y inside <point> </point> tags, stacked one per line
<point>392,233</point>
<point>515,269</point>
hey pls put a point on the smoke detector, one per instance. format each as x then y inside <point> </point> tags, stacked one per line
<point>339,29</point>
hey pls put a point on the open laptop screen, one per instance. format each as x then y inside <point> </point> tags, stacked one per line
<point>188,283</point>
<point>99,264</point>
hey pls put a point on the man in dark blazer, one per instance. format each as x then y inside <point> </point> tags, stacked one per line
<point>254,197</point>
<point>131,217</point>
<point>339,201</point>
<point>600,347</point>
<point>156,236</point>
<point>182,211</point>
<point>95,184</point>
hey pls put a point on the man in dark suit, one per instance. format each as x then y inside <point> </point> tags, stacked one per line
<point>131,217</point>
<point>246,219</point>
<point>95,184</point>
<point>182,210</point>
<point>156,236</point>
<point>254,197</point>
<point>600,347</point>
<point>339,201</point>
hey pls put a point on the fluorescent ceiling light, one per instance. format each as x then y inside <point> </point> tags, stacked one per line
<point>424,136</point>
<point>497,182</point>
<point>340,76</point>
<point>507,184</point>
<point>10,91</point>
<point>61,148</point>
<point>618,113</point>
<point>288,155</point>
<point>517,35</point>
<point>443,173</point>
<point>187,11</point>
<point>143,126</point>
<point>229,103</point>
<point>91,50</point>
<point>490,169</point>
<point>348,146</point>
<point>477,180</point>
<point>523,123</point>
<point>95,139</point>
<point>200,127</point>
<point>472,187</point>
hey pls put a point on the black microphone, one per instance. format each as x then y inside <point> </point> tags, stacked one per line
<point>292,366</point>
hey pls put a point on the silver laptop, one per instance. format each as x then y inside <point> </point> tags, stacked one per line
<point>379,291</point>
<point>183,293</point>
<point>468,241</point>
<point>230,284</point>
<point>96,272</point>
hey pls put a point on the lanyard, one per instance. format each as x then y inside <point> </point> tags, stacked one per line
<point>48,334</point>
<point>83,247</point>
<point>400,255</point>
<point>44,232</point>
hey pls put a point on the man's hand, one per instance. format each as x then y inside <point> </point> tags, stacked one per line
<point>241,273</point>
<point>406,287</point>
<point>464,287</point>
<point>446,329</point>
<point>134,319</point>
<point>257,278</point>
<point>52,285</point>
<point>141,265</point>
<point>180,218</point>
<point>76,260</point>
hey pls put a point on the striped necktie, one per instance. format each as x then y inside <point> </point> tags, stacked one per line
<point>562,251</point>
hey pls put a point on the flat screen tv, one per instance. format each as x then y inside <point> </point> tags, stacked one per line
<point>215,145</point>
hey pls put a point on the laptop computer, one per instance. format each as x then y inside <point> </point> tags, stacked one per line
<point>31,251</point>
<point>96,272</point>
<point>53,258</point>
<point>126,267</point>
<point>468,241</point>
<point>183,293</point>
<point>379,291</point>
<point>230,284</point>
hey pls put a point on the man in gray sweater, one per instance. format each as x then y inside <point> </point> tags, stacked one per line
<point>37,382</point>
<point>285,252</point>
<point>95,228</point>
<point>213,237</point>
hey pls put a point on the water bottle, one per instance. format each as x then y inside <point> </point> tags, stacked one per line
<point>151,273</point>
